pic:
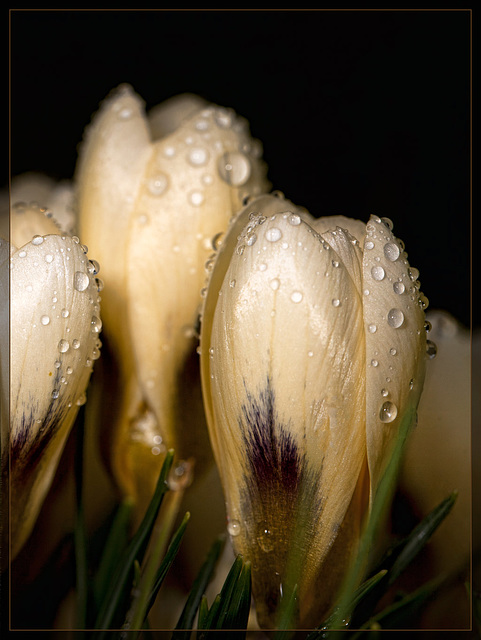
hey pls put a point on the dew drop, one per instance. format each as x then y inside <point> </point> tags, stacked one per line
<point>398,287</point>
<point>81,281</point>
<point>296,296</point>
<point>264,538</point>
<point>274,284</point>
<point>295,219</point>
<point>251,239</point>
<point>388,412</point>
<point>36,240</point>
<point>233,528</point>
<point>335,264</point>
<point>81,400</point>
<point>374,363</point>
<point>378,273</point>
<point>158,184</point>
<point>57,364</point>
<point>384,393</point>
<point>372,328</point>
<point>196,198</point>
<point>395,318</point>
<point>232,284</point>
<point>49,258</point>
<point>391,251</point>
<point>431,349</point>
<point>234,168</point>
<point>96,324</point>
<point>393,351</point>
<point>22,254</point>
<point>217,241</point>
<point>273,234</point>
<point>63,346</point>
<point>198,157</point>
<point>388,222</point>
<point>180,476</point>
<point>336,302</point>
<point>55,394</point>
<point>45,320</point>
<point>413,273</point>
<point>76,344</point>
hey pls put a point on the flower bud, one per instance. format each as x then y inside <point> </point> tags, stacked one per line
<point>312,351</point>
<point>54,340</point>
<point>153,191</point>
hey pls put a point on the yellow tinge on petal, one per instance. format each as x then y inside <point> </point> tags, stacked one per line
<point>54,341</point>
<point>288,392</point>
<point>153,192</point>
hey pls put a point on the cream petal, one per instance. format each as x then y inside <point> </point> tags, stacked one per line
<point>55,321</point>
<point>395,342</point>
<point>27,221</point>
<point>4,343</point>
<point>356,228</point>
<point>184,200</point>
<point>283,371</point>
<point>37,188</point>
<point>111,167</point>
<point>166,117</point>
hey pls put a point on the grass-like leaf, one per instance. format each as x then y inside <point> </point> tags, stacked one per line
<point>395,615</point>
<point>167,561</point>
<point>114,546</point>
<point>230,609</point>
<point>121,580</point>
<point>420,535</point>
<point>80,531</point>
<point>288,613</point>
<point>380,504</point>
<point>194,600</point>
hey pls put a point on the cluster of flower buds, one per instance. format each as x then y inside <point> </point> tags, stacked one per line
<point>312,339</point>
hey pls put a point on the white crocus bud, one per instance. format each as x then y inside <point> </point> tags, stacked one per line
<point>312,351</point>
<point>153,191</point>
<point>54,340</point>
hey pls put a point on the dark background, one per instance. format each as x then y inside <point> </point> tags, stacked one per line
<point>359,112</point>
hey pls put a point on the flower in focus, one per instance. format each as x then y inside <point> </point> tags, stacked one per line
<point>153,191</point>
<point>312,353</point>
<point>54,340</point>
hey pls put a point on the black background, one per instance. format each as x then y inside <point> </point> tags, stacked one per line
<point>359,112</point>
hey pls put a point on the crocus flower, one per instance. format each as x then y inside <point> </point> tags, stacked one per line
<point>153,191</point>
<point>54,341</point>
<point>312,352</point>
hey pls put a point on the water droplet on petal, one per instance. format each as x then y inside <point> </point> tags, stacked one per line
<point>296,296</point>
<point>198,157</point>
<point>295,219</point>
<point>378,273</point>
<point>372,328</point>
<point>374,363</point>
<point>157,185</point>
<point>393,351</point>
<point>63,346</point>
<point>234,168</point>
<point>36,240</point>
<point>96,324</point>
<point>273,234</point>
<point>395,318</point>
<point>45,320</point>
<point>251,239</point>
<point>196,198</point>
<point>392,251</point>
<point>336,302</point>
<point>388,412</point>
<point>76,344</point>
<point>274,284</point>
<point>398,287</point>
<point>233,528</point>
<point>55,394</point>
<point>81,281</point>
<point>264,538</point>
